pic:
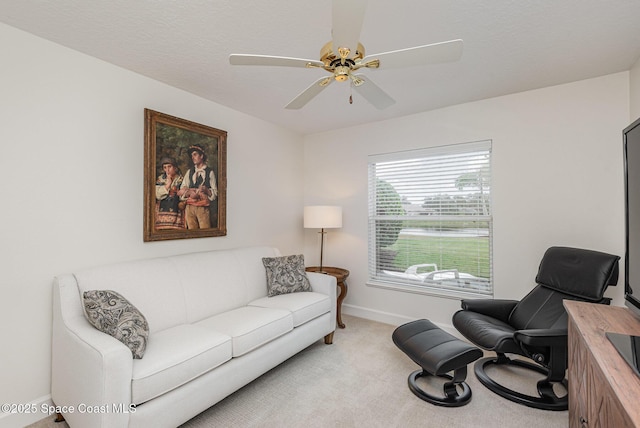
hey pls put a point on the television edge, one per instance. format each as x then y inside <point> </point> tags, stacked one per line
<point>631,147</point>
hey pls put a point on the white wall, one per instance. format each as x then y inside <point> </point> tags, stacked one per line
<point>72,140</point>
<point>557,180</point>
<point>634,90</point>
<point>72,154</point>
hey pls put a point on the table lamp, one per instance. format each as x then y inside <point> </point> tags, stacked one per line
<point>322,217</point>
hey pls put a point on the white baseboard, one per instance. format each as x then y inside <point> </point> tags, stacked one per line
<point>26,413</point>
<point>390,318</point>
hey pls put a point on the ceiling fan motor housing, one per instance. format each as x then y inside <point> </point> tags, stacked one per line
<point>341,73</point>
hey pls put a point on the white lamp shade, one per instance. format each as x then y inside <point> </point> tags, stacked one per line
<point>322,217</point>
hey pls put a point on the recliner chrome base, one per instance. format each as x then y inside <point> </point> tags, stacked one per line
<point>547,399</point>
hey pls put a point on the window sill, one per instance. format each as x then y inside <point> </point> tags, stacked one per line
<point>425,290</point>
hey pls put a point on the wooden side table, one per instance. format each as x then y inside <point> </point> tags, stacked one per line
<point>341,276</point>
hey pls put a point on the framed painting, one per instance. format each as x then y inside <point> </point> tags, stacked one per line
<point>185,178</point>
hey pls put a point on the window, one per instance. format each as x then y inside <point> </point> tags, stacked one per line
<point>430,220</point>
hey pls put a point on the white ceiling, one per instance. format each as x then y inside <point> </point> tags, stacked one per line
<point>509,46</point>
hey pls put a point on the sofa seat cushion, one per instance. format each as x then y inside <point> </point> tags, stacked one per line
<point>304,306</point>
<point>250,326</point>
<point>175,356</point>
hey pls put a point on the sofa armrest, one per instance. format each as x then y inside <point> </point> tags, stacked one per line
<point>325,284</point>
<point>89,368</point>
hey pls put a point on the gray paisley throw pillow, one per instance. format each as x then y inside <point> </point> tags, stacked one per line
<point>286,275</point>
<point>111,313</point>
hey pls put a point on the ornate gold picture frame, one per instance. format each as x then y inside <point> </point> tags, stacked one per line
<point>185,179</point>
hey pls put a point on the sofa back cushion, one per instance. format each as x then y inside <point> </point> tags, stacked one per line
<point>218,281</point>
<point>253,271</point>
<point>187,288</point>
<point>152,286</point>
<point>211,282</point>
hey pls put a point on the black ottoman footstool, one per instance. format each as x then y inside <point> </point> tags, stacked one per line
<point>438,353</point>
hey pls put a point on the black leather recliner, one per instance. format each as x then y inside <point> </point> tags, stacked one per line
<point>536,326</point>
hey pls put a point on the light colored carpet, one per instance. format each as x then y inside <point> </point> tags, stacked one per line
<point>360,380</point>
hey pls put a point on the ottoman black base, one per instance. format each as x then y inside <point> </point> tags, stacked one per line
<point>438,353</point>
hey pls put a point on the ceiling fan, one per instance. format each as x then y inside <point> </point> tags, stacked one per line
<point>344,55</point>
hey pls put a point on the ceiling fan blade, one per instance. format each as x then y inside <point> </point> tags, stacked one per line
<point>308,94</point>
<point>419,55</point>
<point>372,93</point>
<point>347,17</point>
<point>281,61</point>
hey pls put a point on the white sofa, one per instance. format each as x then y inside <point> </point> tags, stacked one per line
<point>212,330</point>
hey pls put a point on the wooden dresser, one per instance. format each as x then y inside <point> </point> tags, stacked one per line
<point>603,390</point>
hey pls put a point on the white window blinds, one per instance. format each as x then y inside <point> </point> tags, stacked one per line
<point>430,220</point>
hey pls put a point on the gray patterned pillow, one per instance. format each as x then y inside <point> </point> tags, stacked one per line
<point>285,275</point>
<point>111,313</point>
